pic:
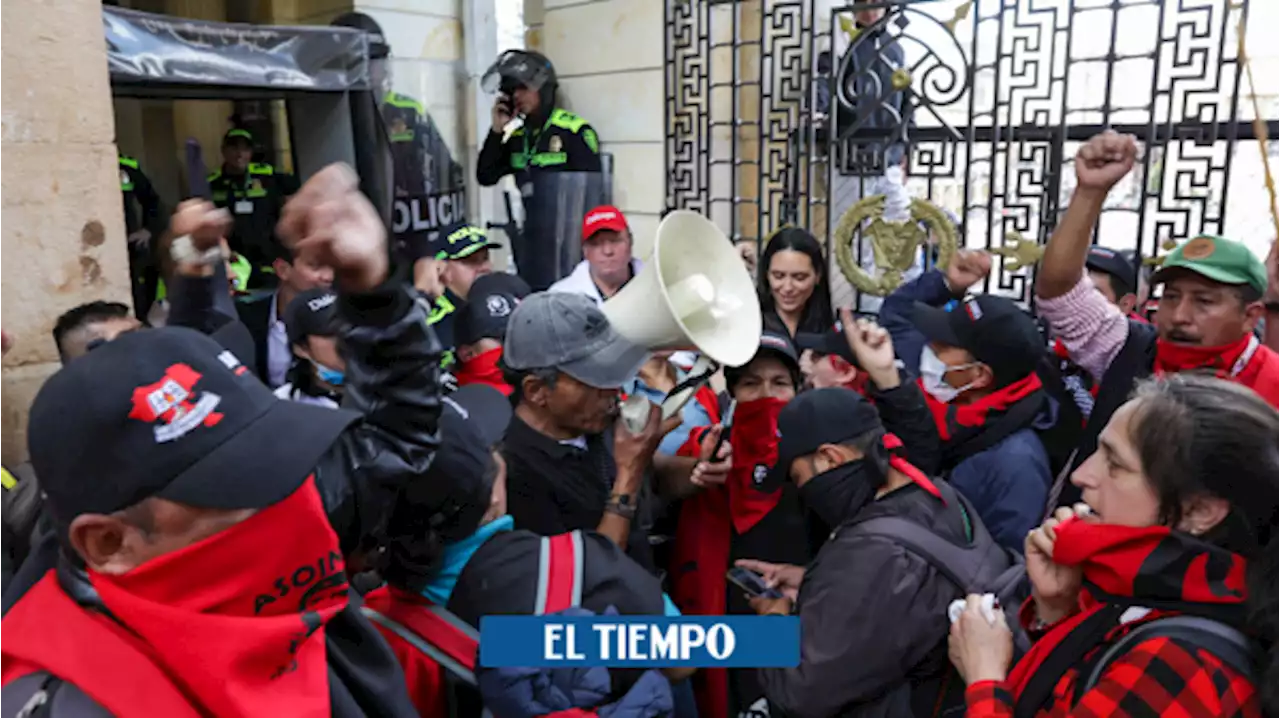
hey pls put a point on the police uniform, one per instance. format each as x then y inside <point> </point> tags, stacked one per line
<point>564,143</point>
<point>255,200</point>
<point>422,163</point>
<point>141,211</point>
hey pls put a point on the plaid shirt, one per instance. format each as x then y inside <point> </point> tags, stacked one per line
<point>1159,677</point>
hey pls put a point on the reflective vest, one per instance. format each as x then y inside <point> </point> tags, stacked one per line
<point>252,188</point>
<point>7,480</point>
<point>126,179</point>
<point>531,157</point>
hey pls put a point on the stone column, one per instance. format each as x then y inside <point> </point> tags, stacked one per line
<point>63,234</point>
<point>608,56</point>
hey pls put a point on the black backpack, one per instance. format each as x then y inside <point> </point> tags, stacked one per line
<point>984,566</point>
<point>981,566</point>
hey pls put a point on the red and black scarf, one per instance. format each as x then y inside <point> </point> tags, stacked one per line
<point>1152,567</point>
<point>966,429</point>
<point>231,625</point>
<point>754,438</point>
<point>1245,362</point>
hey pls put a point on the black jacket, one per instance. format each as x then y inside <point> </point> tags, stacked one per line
<point>872,613</point>
<point>392,379</point>
<point>255,314</point>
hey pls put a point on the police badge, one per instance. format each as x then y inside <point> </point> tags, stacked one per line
<point>554,143</point>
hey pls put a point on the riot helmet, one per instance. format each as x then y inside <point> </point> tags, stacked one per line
<point>516,68</point>
<point>379,50</point>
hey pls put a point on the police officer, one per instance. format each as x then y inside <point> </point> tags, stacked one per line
<point>551,139</point>
<point>421,161</point>
<point>143,221</point>
<point>254,193</point>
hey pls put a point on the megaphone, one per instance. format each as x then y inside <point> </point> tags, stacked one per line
<point>694,293</point>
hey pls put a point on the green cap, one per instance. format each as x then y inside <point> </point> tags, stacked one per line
<point>237,134</point>
<point>1218,259</point>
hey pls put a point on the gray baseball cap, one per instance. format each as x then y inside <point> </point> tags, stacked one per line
<point>568,332</point>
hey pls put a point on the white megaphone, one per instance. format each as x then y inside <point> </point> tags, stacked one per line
<point>694,293</point>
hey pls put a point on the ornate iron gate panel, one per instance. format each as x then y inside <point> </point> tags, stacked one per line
<point>785,111</point>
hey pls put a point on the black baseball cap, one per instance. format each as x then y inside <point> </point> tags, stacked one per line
<point>993,329</point>
<point>170,413</point>
<point>457,486</point>
<point>460,240</point>
<point>832,342</point>
<point>778,345</point>
<point>1114,264</point>
<point>814,418</point>
<point>490,303</point>
<point>313,313</point>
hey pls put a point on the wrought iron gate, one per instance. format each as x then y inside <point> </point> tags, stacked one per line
<point>775,107</point>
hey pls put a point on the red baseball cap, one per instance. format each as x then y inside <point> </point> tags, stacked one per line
<point>603,217</point>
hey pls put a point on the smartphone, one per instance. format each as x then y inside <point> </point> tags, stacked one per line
<point>727,423</point>
<point>751,582</point>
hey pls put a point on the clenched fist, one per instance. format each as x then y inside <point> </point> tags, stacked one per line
<point>1104,160</point>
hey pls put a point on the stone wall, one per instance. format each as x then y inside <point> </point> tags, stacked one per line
<point>608,56</point>
<point>63,233</point>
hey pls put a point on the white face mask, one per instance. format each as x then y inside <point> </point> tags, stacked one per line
<point>933,374</point>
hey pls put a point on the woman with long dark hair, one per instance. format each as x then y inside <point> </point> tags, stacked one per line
<point>792,284</point>
<point>1141,605</point>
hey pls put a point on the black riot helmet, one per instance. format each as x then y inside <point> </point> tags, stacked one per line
<point>514,68</point>
<point>378,47</point>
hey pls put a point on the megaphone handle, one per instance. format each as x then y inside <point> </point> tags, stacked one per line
<point>684,391</point>
<point>635,413</point>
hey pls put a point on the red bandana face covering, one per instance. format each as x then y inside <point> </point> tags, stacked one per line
<point>754,439</point>
<point>237,620</point>
<point>1224,361</point>
<point>957,420</point>
<point>483,369</point>
<point>1152,567</point>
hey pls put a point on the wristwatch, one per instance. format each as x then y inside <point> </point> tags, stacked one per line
<point>621,505</point>
<point>183,251</point>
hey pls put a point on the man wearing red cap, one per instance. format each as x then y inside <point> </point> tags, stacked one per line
<point>607,263</point>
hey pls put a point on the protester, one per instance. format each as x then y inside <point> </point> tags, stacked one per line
<point>1209,306</point>
<point>793,289</point>
<point>459,549</point>
<point>317,374</point>
<point>1183,493</point>
<point>481,329</point>
<point>265,315</point>
<point>872,607</point>
<point>977,366</point>
<point>565,470</point>
<point>207,490</point>
<point>827,361</point>
<point>1113,276</point>
<point>606,250</point>
<point>88,325</point>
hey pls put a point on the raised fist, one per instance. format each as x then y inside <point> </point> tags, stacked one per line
<point>1104,159</point>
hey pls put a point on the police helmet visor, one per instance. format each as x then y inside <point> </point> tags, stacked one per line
<point>515,69</point>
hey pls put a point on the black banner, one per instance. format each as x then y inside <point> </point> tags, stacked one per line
<point>147,48</point>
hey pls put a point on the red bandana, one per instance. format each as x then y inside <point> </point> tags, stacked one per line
<point>237,620</point>
<point>754,438</point>
<point>953,418</point>
<point>1121,564</point>
<point>483,369</point>
<point>1224,361</point>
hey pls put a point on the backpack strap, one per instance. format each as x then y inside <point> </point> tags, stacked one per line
<point>442,636</point>
<point>945,556</point>
<point>1224,642</point>
<point>560,562</point>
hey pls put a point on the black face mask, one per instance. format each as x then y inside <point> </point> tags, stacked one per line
<point>836,495</point>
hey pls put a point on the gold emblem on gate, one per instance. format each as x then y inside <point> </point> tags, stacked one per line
<point>893,243</point>
<point>554,143</point>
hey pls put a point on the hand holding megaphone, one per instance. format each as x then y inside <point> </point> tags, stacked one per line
<point>633,450</point>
